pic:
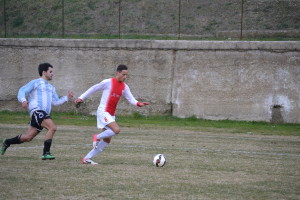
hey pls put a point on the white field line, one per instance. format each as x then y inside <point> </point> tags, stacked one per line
<point>164,148</point>
<point>215,150</point>
<point>129,131</point>
<point>239,137</point>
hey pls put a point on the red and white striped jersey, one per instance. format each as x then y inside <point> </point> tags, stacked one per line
<point>112,92</point>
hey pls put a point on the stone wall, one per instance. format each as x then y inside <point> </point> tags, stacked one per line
<point>237,80</point>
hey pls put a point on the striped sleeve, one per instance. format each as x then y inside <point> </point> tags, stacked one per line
<point>56,100</point>
<point>23,91</point>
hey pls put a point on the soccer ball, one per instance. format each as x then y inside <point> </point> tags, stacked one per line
<point>159,160</point>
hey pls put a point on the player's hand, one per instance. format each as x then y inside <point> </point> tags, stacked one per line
<point>78,102</point>
<point>25,104</point>
<point>70,94</point>
<point>144,104</point>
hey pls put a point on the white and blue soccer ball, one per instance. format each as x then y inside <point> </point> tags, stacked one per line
<point>159,160</point>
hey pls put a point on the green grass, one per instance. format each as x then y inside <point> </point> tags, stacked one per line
<point>213,165</point>
<point>162,122</point>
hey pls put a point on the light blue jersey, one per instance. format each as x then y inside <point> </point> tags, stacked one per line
<point>41,96</point>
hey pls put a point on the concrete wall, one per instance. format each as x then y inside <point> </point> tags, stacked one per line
<point>252,81</point>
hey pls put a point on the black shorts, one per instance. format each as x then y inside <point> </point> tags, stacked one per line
<point>37,117</point>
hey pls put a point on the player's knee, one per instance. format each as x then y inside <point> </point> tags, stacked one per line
<point>53,129</point>
<point>117,131</point>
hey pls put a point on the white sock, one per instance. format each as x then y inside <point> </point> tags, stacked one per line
<point>102,145</point>
<point>105,134</point>
<point>94,152</point>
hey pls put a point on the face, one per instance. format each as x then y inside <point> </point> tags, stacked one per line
<point>121,76</point>
<point>48,74</point>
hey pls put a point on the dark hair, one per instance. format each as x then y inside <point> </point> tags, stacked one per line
<point>44,67</point>
<point>122,67</point>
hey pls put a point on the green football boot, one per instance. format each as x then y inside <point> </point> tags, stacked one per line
<point>48,156</point>
<point>4,147</point>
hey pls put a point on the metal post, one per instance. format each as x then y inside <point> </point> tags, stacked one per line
<point>119,19</point>
<point>4,18</point>
<point>242,16</point>
<point>179,16</point>
<point>63,19</point>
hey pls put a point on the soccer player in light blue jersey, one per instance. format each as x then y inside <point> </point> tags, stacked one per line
<point>38,96</point>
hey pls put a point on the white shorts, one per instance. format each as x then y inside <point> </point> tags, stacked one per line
<point>104,118</point>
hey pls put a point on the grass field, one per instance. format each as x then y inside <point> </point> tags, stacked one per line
<point>213,162</point>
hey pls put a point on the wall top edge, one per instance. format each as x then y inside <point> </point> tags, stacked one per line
<point>151,44</point>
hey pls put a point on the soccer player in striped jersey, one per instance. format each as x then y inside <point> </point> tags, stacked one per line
<point>41,95</point>
<point>112,90</point>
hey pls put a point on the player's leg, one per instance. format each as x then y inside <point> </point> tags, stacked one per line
<point>51,129</point>
<point>98,146</point>
<point>114,127</point>
<point>111,130</point>
<point>95,151</point>
<point>31,133</point>
<point>105,120</point>
<point>107,140</point>
<point>101,143</point>
<point>27,137</point>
